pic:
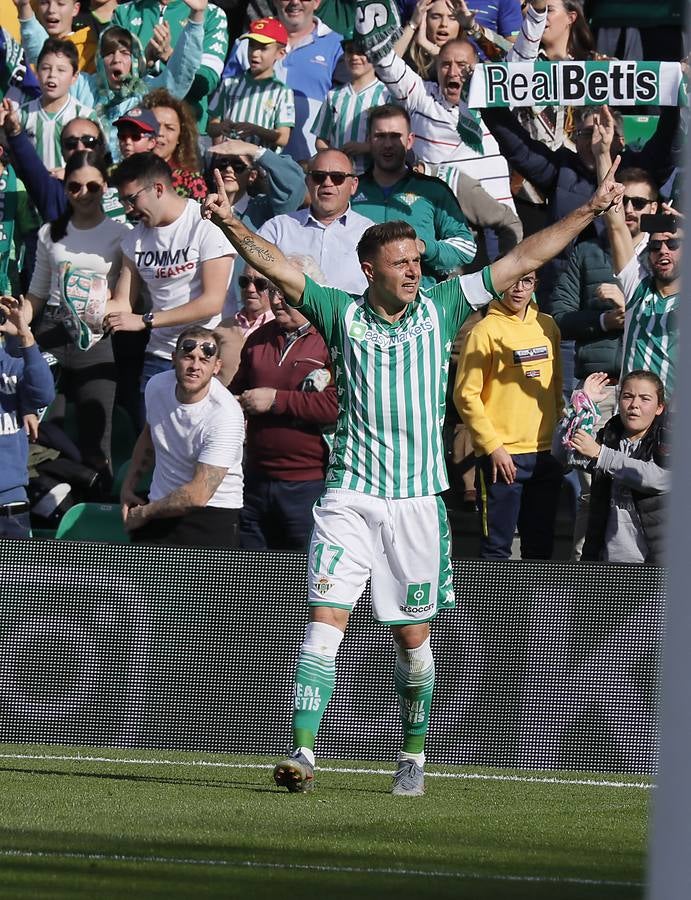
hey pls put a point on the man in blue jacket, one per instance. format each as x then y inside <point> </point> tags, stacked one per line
<point>26,384</point>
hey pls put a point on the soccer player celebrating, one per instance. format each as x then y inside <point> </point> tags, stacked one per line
<point>381,514</point>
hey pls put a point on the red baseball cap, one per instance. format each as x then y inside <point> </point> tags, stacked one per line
<point>267,31</point>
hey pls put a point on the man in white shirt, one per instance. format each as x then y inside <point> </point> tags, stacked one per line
<point>184,261</point>
<point>329,229</point>
<point>193,438</point>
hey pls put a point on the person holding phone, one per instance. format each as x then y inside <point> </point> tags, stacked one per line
<point>651,293</point>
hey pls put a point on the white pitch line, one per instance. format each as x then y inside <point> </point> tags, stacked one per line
<point>355,870</point>
<point>341,770</point>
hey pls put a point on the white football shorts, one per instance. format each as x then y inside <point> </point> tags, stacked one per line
<point>404,545</point>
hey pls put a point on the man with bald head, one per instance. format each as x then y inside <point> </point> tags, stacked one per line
<point>328,230</point>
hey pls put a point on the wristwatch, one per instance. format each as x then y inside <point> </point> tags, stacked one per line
<point>148,320</point>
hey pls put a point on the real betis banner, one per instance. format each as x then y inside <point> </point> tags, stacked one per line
<point>570,83</point>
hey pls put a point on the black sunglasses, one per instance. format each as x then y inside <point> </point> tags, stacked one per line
<point>208,348</point>
<point>227,162</point>
<point>245,281</point>
<point>74,187</point>
<point>319,177</point>
<point>638,203</point>
<point>86,140</point>
<point>656,246</point>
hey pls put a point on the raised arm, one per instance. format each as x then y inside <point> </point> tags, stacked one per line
<point>260,254</point>
<point>285,180</point>
<point>46,192</point>
<point>620,240</point>
<point>539,248</point>
<point>179,73</point>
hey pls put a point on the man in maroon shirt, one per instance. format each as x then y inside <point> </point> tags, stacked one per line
<point>285,387</point>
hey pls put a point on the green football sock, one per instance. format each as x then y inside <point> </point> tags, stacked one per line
<point>314,683</point>
<point>414,691</point>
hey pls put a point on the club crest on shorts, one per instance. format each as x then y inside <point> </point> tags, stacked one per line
<point>324,586</point>
<point>418,594</point>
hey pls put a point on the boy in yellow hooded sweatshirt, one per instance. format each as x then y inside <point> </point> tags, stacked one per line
<point>508,392</point>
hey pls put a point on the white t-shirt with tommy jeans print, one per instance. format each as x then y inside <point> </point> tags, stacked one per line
<point>169,260</point>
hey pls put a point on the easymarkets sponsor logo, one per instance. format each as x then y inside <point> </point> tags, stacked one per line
<point>359,331</point>
<point>574,83</point>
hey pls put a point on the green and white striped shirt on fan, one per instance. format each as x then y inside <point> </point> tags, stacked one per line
<point>343,116</point>
<point>651,329</point>
<point>44,129</point>
<point>267,102</point>
<point>391,384</point>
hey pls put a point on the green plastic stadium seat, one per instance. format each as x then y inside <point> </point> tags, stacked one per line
<point>638,129</point>
<point>121,472</point>
<point>93,522</point>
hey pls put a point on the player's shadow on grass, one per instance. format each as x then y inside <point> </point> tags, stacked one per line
<point>144,779</point>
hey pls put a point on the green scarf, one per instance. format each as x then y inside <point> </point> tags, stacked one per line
<point>469,122</point>
<point>8,215</point>
<point>377,27</point>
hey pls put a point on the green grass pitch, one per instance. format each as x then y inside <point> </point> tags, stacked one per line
<point>86,823</point>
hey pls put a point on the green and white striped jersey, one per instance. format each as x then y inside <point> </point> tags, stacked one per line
<point>391,384</point>
<point>651,331</point>
<point>266,102</point>
<point>343,116</point>
<point>44,129</point>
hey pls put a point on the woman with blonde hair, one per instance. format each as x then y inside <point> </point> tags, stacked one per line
<point>177,141</point>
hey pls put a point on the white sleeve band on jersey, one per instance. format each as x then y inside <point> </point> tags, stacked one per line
<point>473,287</point>
<point>631,276</point>
<point>527,43</point>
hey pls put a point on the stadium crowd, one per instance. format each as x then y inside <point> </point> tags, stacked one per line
<point>316,140</point>
<point>274,243</point>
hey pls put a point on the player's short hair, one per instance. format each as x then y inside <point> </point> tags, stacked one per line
<point>142,167</point>
<point>387,111</point>
<point>386,232</point>
<point>645,375</point>
<point>60,48</point>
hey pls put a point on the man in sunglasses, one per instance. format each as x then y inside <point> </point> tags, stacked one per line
<point>328,230</point>
<point>381,514</point>
<point>184,262</point>
<point>588,306</point>
<point>567,177</point>
<point>259,184</point>
<point>650,284</point>
<point>193,440</point>
<point>137,131</point>
<point>46,190</point>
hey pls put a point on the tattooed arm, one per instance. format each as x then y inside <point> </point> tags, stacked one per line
<point>142,462</point>
<point>260,254</point>
<point>193,495</point>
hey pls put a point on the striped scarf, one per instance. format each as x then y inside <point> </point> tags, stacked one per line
<point>377,26</point>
